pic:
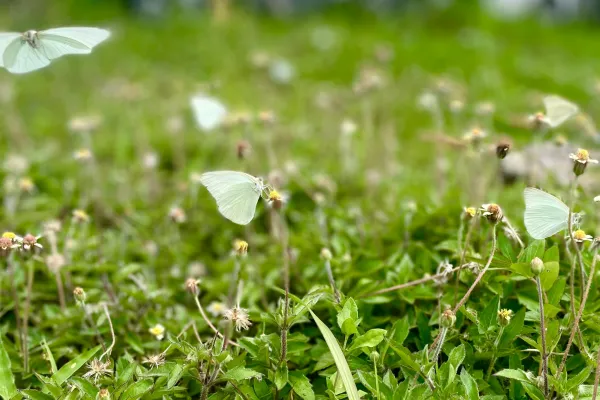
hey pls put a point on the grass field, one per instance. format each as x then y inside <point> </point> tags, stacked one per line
<point>101,156</point>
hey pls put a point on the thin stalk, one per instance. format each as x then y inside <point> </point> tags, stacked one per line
<point>112,334</point>
<point>579,314</point>
<point>463,255</point>
<point>235,276</point>
<point>412,283</point>
<point>438,349</point>
<point>93,325</point>
<point>543,333</point>
<point>597,378</point>
<point>13,286</point>
<point>376,378</point>
<point>30,276</point>
<point>494,353</point>
<point>336,293</point>
<point>205,317</point>
<point>61,291</point>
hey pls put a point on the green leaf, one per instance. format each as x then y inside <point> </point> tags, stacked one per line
<point>281,376</point>
<point>36,395</point>
<point>175,375</point>
<point>574,381</point>
<point>338,356</point>
<point>456,356</point>
<point>301,385</point>
<point>84,386</point>
<point>516,374</point>
<point>347,317</point>
<point>7,380</point>
<point>406,357</point>
<point>49,357</point>
<point>469,384</point>
<point>535,249</point>
<point>125,371</point>
<point>137,390</point>
<point>489,315</point>
<point>556,291</point>
<point>400,329</point>
<point>549,275</point>
<point>73,366</point>
<point>533,391</point>
<point>513,329</point>
<point>370,339</point>
<point>552,255</point>
<point>241,373</point>
<point>506,248</point>
<point>370,381</point>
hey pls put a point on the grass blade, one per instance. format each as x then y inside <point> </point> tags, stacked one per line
<point>72,366</point>
<point>338,357</point>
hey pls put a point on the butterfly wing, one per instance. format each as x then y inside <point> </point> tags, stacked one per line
<point>20,58</point>
<point>5,40</point>
<point>58,42</point>
<point>545,215</point>
<point>558,110</point>
<point>209,112</point>
<point>236,194</point>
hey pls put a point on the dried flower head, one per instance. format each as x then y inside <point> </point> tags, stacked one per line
<point>52,226</point>
<point>504,316</point>
<point>492,212</point>
<point>239,317</point>
<point>266,117</point>
<point>473,267</point>
<point>581,160</point>
<point>80,216</point>
<point>580,236</point>
<point>191,285</point>
<point>444,269</point>
<point>240,247</point>
<point>177,215</point>
<point>29,242</point>
<point>158,331</point>
<point>104,394</point>
<point>98,369</point>
<point>216,308</point>
<point>448,319</point>
<point>6,245</point>
<point>243,148</point>
<point>55,262</point>
<point>155,360</point>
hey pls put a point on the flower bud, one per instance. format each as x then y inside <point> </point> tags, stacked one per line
<point>504,317</point>
<point>326,254</point>
<point>79,294</point>
<point>537,266</point>
<point>104,394</point>
<point>191,285</point>
<point>240,247</point>
<point>469,213</point>
<point>448,319</point>
<point>374,356</point>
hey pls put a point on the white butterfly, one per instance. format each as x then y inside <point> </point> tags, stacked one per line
<point>236,193</point>
<point>558,110</point>
<point>32,50</point>
<point>545,215</point>
<point>208,111</point>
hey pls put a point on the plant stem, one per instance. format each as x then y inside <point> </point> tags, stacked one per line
<point>112,334</point>
<point>579,314</point>
<point>30,276</point>
<point>61,291</point>
<point>411,283</point>
<point>494,353</point>
<point>463,255</point>
<point>438,349</point>
<point>336,293</point>
<point>376,378</point>
<point>235,276</point>
<point>543,333</point>
<point>597,378</point>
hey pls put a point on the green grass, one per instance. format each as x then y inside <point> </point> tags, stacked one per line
<point>376,238</point>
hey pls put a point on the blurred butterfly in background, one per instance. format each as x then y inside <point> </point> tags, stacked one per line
<point>209,112</point>
<point>558,110</point>
<point>32,50</point>
<point>545,215</point>
<point>236,193</point>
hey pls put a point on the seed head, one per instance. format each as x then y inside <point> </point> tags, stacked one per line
<point>537,266</point>
<point>177,215</point>
<point>191,285</point>
<point>98,369</point>
<point>155,360</point>
<point>504,317</point>
<point>492,212</point>
<point>29,242</point>
<point>239,317</point>
<point>55,262</point>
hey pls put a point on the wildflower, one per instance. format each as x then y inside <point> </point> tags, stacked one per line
<point>55,262</point>
<point>26,185</point>
<point>80,216</point>
<point>82,155</point>
<point>155,360</point>
<point>580,236</point>
<point>7,244</point>
<point>52,226</point>
<point>240,247</point>
<point>239,317</point>
<point>347,127</point>
<point>326,254</point>
<point>537,121</point>
<point>504,316</point>
<point>492,212</point>
<point>150,160</point>
<point>29,241</point>
<point>16,164</point>
<point>456,106</point>
<point>275,199</point>
<point>581,159</point>
<point>502,148</point>
<point>469,213</point>
<point>448,319</point>
<point>474,136</point>
<point>191,285</point>
<point>158,331</point>
<point>216,308</point>
<point>104,394</point>
<point>79,294</point>
<point>427,101</point>
<point>537,266</point>
<point>243,149</point>
<point>177,215</point>
<point>98,369</point>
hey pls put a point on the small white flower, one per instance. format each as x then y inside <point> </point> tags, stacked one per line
<point>348,127</point>
<point>580,236</point>
<point>582,156</point>
<point>216,308</point>
<point>158,331</point>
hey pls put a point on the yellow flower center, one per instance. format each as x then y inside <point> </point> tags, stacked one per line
<point>470,211</point>
<point>583,155</point>
<point>505,314</point>
<point>240,246</point>
<point>9,235</point>
<point>274,195</point>
<point>579,234</point>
